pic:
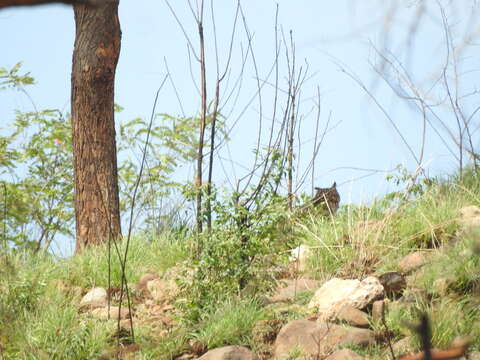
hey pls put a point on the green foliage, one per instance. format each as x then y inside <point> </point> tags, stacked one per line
<point>457,264</point>
<point>37,174</point>
<point>60,333</point>
<point>415,184</point>
<point>229,323</point>
<point>246,239</point>
<point>12,78</point>
<point>36,166</point>
<point>41,201</point>
<point>88,269</point>
<point>171,145</point>
<point>448,320</point>
<point>36,320</point>
<point>361,238</point>
<point>235,254</point>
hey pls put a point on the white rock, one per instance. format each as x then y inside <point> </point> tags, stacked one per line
<point>95,298</point>
<point>337,293</point>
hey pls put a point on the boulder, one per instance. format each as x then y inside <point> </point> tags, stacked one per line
<point>95,298</point>
<point>229,353</point>
<point>353,316</point>
<point>102,313</point>
<point>289,288</point>
<point>412,262</point>
<point>317,338</point>
<point>337,293</point>
<point>377,310</point>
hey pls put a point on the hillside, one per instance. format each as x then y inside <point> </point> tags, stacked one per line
<point>360,281</point>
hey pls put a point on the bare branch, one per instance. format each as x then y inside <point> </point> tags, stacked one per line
<point>11,3</point>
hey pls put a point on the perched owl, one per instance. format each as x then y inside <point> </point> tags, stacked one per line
<point>327,198</point>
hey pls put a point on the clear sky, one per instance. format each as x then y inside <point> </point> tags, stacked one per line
<point>326,33</point>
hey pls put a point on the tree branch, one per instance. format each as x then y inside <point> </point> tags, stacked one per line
<point>10,3</point>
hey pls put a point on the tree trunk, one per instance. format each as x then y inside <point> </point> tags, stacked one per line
<point>95,57</point>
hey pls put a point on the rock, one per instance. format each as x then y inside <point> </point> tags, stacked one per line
<point>337,293</point>
<point>292,287</point>
<point>393,283</point>
<point>229,353</point>
<point>377,310</point>
<point>353,316</point>
<point>102,313</point>
<point>344,354</point>
<point>412,262</point>
<point>318,339</point>
<point>161,289</point>
<point>95,298</point>
<point>299,257</point>
<point>469,217</point>
<point>141,286</point>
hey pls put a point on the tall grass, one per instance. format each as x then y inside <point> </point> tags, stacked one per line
<point>39,321</point>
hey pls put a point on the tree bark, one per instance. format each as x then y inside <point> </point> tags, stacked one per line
<point>95,57</point>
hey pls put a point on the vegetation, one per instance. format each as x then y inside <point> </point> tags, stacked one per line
<point>38,316</point>
<point>201,261</point>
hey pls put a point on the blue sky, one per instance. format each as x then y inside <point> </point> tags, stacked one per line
<point>326,34</point>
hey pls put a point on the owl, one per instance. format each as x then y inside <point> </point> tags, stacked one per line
<point>327,199</point>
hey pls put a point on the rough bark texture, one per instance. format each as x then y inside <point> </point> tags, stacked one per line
<point>95,56</point>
